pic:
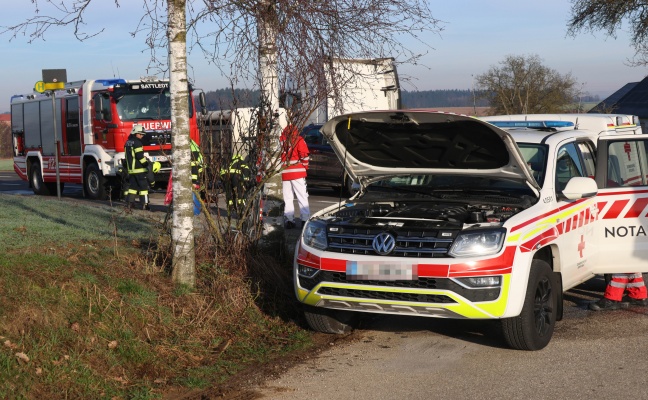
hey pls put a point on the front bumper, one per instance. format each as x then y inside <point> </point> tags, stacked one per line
<point>432,294</point>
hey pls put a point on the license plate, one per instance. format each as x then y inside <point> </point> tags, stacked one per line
<point>374,271</point>
<point>159,158</point>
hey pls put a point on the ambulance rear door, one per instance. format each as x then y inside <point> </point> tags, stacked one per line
<point>621,229</point>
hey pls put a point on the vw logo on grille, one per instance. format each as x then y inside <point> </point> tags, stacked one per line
<point>384,243</point>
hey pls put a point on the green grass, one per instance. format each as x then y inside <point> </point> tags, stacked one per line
<point>6,164</point>
<point>84,296</point>
<point>35,222</point>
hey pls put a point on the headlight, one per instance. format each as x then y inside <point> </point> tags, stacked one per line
<point>480,281</point>
<point>314,235</point>
<point>478,243</point>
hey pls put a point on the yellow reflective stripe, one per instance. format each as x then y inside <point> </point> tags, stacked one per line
<point>138,170</point>
<point>132,167</point>
<point>463,307</point>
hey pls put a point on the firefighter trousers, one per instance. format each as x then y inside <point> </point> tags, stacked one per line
<point>138,186</point>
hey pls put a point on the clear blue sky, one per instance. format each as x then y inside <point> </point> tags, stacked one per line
<point>478,35</point>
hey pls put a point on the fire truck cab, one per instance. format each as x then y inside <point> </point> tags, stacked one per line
<point>88,123</point>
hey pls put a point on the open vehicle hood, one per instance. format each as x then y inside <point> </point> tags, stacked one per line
<point>373,144</point>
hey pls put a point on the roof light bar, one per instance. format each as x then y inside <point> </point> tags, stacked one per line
<point>532,124</point>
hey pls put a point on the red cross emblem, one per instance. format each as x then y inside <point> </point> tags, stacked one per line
<point>627,149</point>
<point>581,246</point>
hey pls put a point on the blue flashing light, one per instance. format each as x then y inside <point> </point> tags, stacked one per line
<point>533,124</point>
<point>110,82</point>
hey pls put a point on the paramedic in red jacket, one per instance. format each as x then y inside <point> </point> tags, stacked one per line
<point>294,158</point>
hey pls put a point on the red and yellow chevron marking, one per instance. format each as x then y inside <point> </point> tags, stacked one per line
<point>614,209</point>
<point>552,224</point>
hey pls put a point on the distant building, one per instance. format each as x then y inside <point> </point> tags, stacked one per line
<point>632,99</point>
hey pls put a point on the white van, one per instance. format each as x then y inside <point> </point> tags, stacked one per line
<point>459,217</point>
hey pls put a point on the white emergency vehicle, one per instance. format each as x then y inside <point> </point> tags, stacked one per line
<point>459,217</point>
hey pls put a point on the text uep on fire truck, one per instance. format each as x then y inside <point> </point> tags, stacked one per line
<point>466,218</point>
<point>93,121</point>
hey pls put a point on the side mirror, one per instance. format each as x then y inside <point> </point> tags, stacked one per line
<point>203,103</point>
<point>580,187</point>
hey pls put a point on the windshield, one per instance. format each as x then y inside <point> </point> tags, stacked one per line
<point>535,156</point>
<point>138,106</point>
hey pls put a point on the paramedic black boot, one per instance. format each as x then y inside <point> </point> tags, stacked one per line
<point>606,304</point>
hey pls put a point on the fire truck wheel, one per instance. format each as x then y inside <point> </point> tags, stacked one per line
<point>533,328</point>
<point>36,179</point>
<point>94,183</point>
<point>330,321</point>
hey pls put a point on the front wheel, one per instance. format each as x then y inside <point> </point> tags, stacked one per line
<point>330,321</point>
<point>533,328</point>
<point>94,183</point>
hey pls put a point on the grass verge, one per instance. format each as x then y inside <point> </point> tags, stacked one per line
<point>87,309</point>
<point>6,164</point>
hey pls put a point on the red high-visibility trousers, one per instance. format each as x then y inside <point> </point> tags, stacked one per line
<point>633,283</point>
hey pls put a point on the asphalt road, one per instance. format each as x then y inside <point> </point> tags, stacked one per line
<point>11,184</point>
<point>593,355</point>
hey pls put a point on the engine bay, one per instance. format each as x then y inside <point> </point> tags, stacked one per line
<point>421,213</point>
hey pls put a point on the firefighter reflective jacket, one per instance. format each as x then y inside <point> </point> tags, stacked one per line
<point>237,167</point>
<point>135,160</point>
<point>196,161</point>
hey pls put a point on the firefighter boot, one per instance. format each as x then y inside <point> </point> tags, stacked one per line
<point>129,202</point>
<point>145,202</point>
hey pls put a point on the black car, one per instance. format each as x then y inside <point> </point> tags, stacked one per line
<point>325,168</point>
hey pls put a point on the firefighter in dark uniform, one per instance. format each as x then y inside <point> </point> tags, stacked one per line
<point>197,165</point>
<point>235,179</point>
<point>137,166</point>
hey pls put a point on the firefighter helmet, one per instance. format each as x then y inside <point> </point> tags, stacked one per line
<point>156,167</point>
<point>137,129</point>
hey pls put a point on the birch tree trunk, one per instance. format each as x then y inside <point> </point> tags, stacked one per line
<point>182,235</point>
<point>267,21</point>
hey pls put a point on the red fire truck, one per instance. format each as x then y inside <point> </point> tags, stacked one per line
<point>93,121</point>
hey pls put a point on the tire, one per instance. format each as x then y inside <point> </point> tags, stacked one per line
<point>36,179</point>
<point>533,328</point>
<point>94,183</point>
<point>330,321</point>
